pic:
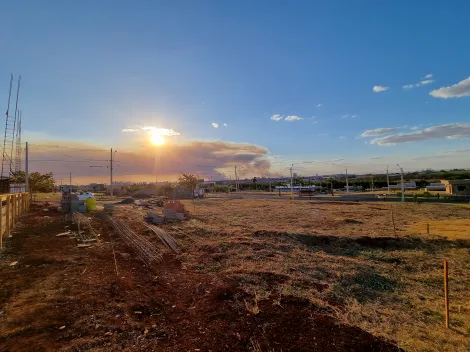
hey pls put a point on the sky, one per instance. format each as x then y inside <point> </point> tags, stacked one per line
<point>261,85</point>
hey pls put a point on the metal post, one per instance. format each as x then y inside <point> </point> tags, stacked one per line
<point>291,182</point>
<point>26,168</point>
<point>388,182</point>
<point>402,184</point>
<point>347,183</point>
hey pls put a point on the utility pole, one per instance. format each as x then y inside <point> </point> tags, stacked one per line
<point>70,179</point>
<point>347,183</point>
<point>26,168</point>
<point>111,170</point>
<point>269,179</point>
<point>402,184</point>
<point>388,182</point>
<point>291,182</point>
<point>236,179</point>
<point>372,182</point>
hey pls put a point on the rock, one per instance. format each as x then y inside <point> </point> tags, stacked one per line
<point>146,332</point>
<point>62,327</point>
<point>109,333</point>
<point>13,263</point>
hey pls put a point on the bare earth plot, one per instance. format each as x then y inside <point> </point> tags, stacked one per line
<point>251,275</point>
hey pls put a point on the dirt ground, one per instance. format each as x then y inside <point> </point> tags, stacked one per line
<point>62,298</point>
<point>251,275</point>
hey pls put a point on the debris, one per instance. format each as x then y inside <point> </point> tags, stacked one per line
<point>83,245</point>
<point>146,332</point>
<point>109,333</point>
<point>83,272</point>
<point>13,263</point>
<point>63,234</point>
<point>137,312</point>
<point>167,239</point>
<point>126,201</point>
<point>145,249</point>
<point>62,327</point>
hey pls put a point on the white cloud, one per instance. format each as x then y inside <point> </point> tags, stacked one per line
<point>160,131</point>
<point>353,116</point>
<point>225,125</point>
<point>427,81</point>
<point>319,105</point>
<point>450,131</point>
<point>376,157</point>
<point>378,89</point>
<point>293,118</point>
<point>461,89</point>
<point>344,116</point>
<point>341,137</point>
<point>377,132</point>
<point>215,125</point>
<point>414,128</point>
<point>277,117</point>
<point>467,150</point>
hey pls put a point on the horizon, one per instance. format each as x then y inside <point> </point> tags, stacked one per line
<point>201,88</point>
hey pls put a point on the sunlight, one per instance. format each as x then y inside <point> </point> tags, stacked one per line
<point>156,139</point>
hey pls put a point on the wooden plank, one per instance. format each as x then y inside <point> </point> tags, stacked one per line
<point>1,222</point>
<point>8,220</point>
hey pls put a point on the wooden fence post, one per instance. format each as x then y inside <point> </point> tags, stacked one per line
<point>8,219</point>
<point>1,222</point>
<point>446,292</point>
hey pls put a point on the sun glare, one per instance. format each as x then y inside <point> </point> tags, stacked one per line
<point>156,139</point>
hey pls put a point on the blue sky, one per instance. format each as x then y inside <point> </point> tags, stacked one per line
<point>104,66</point>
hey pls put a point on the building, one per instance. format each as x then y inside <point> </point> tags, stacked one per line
<point>435,186</point>
<point>457,187</point>
<point>96,187</point>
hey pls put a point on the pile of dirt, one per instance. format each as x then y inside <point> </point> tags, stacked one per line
<point>126,201</point>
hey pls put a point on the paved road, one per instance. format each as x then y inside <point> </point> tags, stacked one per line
<point>340,198</point>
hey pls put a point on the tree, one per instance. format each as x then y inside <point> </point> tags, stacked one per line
<point>37,182</point>
<point>188,181</point>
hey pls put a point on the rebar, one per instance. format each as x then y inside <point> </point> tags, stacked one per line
<point>145,249</point>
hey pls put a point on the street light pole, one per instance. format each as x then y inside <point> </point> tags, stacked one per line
<point>388,182</point>
<point>347,182</point>
<point>402,184</point>
<point>291,182</point>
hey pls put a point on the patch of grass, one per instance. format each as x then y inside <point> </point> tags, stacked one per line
<point>380,256</point>
<point>364,286</point>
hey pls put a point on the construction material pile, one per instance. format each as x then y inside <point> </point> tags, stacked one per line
<point>174,210</point>
<point>168,240</point>
<point>145,249</point>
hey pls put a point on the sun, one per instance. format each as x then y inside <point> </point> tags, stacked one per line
<point>156,139</point>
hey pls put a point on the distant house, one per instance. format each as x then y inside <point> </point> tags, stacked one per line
<point>457,187</point>
<point>436,186</point>
<point>96,187</point>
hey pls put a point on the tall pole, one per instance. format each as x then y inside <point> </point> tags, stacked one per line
<point>372,182</point>
<point>111,170</point>
<point>291,181</point>
<point>26,169</point>
<point>70,179</point>
<point>402,184</point>
<point>347,183</point>
<point>236,179</point>
<point>388,182</point>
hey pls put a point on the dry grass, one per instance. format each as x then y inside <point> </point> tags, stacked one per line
<point>390,286</point>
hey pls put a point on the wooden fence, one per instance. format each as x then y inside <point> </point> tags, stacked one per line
<point>12,206</point>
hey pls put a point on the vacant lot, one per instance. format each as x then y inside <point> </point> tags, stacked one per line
<point>251,275</point>
<point>347,259</point>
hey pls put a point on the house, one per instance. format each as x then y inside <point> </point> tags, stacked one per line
<point>457,187</point>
